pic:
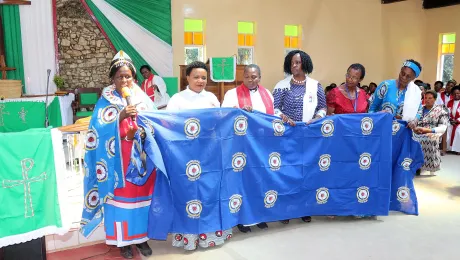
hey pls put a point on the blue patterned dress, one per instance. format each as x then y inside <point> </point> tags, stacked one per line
<point>290,101</point>
<point>387,97</point>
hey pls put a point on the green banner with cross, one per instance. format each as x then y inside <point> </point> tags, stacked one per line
<point>22,115</point>
<point>223,69</point>
<point>28,190</point>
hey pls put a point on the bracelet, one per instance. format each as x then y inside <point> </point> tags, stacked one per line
<point>126,139</point>
<point>433,131</point>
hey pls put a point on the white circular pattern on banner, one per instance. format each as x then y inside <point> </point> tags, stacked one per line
<point>322,195</point>
<point>365,161</point>
<point>109,114</point>
<point>194,208</point>
<point>241,125</point>
<point>324,162</point>
<point>274,161</point>
<point>367,125</point>
<point>395,127</point>
<point>101,171</point>
<point>110,147</point>
<point>92,199</point>
<point>193,170</point>
<point>362,194</point>
<point>92,140</point>
<point>388,107</point>
<point>327,128</point>
<point>192,128</point>
<point>278,127</point>
<point>403,194</point>
<point>382,91</point>
<point>270,198</point>
<point>234,204</point>
<point>406,163</point>
<point>238,161</point>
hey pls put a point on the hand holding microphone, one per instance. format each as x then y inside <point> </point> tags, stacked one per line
<point>130,110</point>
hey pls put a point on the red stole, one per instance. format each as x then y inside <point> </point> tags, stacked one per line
<point>147,87</point>
<point>457,116</point>
<point>443,97</point>
<point>244,98</point>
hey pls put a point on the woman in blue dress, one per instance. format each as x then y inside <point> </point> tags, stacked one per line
<point>299,97</point>
<point>400,97</point>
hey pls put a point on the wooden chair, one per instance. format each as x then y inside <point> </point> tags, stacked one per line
<point>85,98</point>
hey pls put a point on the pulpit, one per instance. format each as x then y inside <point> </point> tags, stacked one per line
<point>219,89</point>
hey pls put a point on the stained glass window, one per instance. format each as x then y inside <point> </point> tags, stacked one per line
<point>446,56</point>
<point>193,40</point>
<point>246,37</point>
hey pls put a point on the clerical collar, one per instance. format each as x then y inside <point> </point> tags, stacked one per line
<point>254,89</point>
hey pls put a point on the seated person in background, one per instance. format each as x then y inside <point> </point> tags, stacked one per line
<point>155,87</point>
<point>370,94</point>
<point>365,88</point>
<point>446,95</point>
<point>453,131</point>
<point>348,98</point>
<point>438,86</point>
<point>432,126</point>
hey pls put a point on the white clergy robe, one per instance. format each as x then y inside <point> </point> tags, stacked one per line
<point>455,147</point>
<point>231,100</point>
<point>188,99</point>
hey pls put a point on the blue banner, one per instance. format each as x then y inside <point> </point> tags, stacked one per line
<point>217,168</point>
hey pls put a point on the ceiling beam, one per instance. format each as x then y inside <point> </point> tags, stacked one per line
<point>14,2</point>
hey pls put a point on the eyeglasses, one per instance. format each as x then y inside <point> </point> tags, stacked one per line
<point>348,76</point>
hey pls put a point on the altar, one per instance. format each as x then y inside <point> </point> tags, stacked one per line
<point>19,114</point>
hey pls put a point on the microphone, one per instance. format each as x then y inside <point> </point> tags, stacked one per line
<point>126,93</point>
<point>47,122</point>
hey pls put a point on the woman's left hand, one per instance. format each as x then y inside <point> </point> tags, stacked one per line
<point>422,130</point>
<point>316,118</point>
<point>132,129</point>
<point>247,108</point>
<point>412,125</point>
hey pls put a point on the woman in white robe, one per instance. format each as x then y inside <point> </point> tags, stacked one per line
<point>196,97</point>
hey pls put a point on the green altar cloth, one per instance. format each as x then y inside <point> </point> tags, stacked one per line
<point>18,115</point>
<point>33,193</point>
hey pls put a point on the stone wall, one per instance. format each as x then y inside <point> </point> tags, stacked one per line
<point>84,53</point>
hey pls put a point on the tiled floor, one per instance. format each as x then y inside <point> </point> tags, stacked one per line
<point>94,252</point>
<point>433,235</point>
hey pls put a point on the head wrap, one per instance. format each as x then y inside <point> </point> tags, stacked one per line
<point>413,66</point>
<point>122,59</point>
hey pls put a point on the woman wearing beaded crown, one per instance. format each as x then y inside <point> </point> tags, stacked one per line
<point>122,205</point>
<point>299,97</point>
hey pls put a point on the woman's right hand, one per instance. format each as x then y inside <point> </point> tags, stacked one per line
<point>287,120</point>
<point>128,111</point>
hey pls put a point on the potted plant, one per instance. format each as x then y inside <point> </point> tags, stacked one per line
<point>60,82</point>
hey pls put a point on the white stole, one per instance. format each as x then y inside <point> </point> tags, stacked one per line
<point>310,99</point>
<point>412,102</point>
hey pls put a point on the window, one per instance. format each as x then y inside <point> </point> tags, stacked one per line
<point>245,43</point>
<point>291,38</point>
<point>446,56</point>
<point>193,40</point>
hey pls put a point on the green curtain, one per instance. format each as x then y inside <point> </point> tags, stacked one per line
<point>116,38</point>
<point>153,15</point>
<point>13,43</point>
